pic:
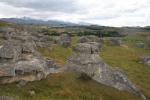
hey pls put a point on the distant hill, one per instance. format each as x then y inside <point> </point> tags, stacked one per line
<point>26,20</point>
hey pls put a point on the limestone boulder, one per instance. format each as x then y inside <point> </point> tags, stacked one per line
<point>44,41</point>
<point>92,65</point>
<point>144,60</point>
<point>28,47</point>
<point>114,41</point>
<point>64,40</point>
<point>140,45</point>
<point>90,47</point>
<point>90,38</point>
<point>10,50</point>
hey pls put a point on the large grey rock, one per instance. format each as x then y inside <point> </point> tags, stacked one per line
<point>114,41</point>
<point>140,44</point>
<point>6,70</point>
<point>90,47</point>
<point>7,32</point>
<point>144,60</point>
<point>28,47</point>
<point>64,40</point>
<point>90,38</point>
<point>93,66</point>
<point>44,41</point>
<point>10,50</point>
<point>19,61</point>
<point>30,69</point>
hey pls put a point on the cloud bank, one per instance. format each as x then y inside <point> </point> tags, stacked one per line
<point>102,12</point>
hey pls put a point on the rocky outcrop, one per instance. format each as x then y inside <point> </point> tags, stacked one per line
<point>84,41</point>
<point>87,48</point>
<point>43,41</point>
<point>7,32</point>
<point>64,40</point>
<point>87,61</point>
<point>19,61</point>
<point>10,50</point>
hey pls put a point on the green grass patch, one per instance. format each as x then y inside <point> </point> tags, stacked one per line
<point>57,52</point>
<point>65,86</point>
<point>126,58</point>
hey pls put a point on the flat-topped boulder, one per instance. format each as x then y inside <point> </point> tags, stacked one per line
<point>30,69</point>
<point>90,47</point>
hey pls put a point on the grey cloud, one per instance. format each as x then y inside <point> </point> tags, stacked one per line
<point>44,5</point>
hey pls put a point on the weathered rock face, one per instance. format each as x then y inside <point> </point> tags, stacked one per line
<point>64,40</point>
<point>10,50</point>
<point>7,32</point>
<point>20,61</point>
<point>28,47</point>
<point>90,47</point>
<point>92,65</point>
<point>114,41</point>
<point>88,42</point>
<point>44,41</point>
<point>144,60</point>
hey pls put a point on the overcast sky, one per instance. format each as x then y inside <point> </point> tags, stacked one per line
<point>102,12</point>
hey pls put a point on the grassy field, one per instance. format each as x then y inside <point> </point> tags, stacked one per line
<point>57,52</point>
<point>67,86</point>
<point>126,58</point>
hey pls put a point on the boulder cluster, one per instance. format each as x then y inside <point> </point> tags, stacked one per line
<point>19,60</point>
<point>87,61</point>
